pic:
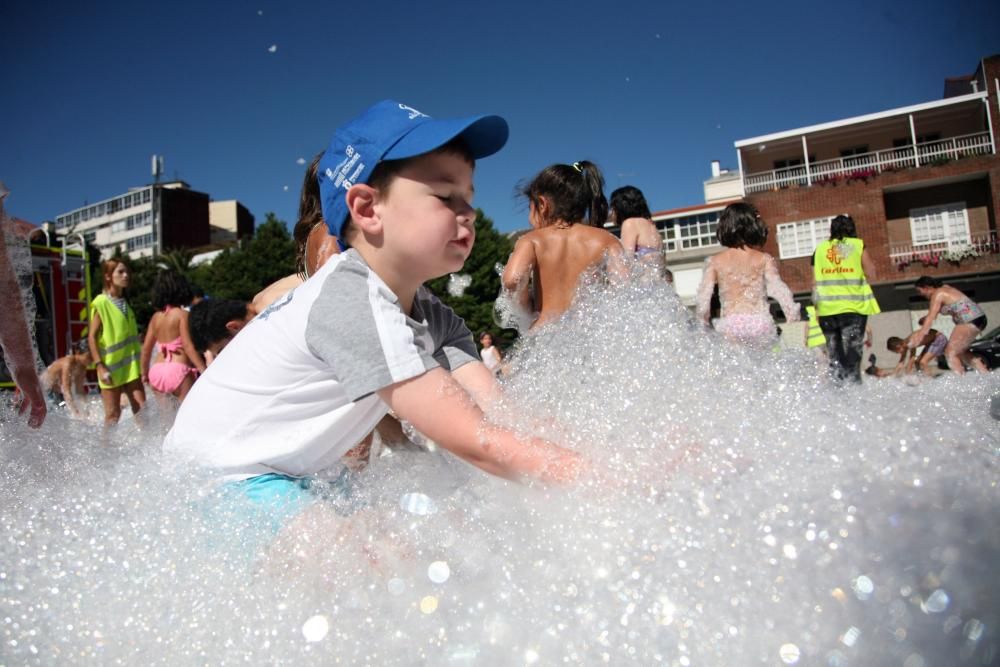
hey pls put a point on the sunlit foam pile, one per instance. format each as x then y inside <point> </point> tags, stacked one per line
<point>741,511</point>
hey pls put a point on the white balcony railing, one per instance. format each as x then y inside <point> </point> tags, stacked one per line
<point>870,164</point>
<point>948,250</point>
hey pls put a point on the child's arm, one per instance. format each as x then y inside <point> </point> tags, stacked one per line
<point>189,348</point>
<point>147,347</point>
<point>630,236</point>
<point>438,407</point>
<point>932,312</point>
<point>703,300</point>
<point>479,381</point>
<point>15,336</point>
<point>777,289</point>
<point>95,353</point>
<point>518,270</point>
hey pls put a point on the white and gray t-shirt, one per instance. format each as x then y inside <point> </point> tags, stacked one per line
<point>295,389</point>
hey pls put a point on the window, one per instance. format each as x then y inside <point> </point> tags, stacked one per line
<point>690,232</point>
<point>139,242</point>
<point>948,223</point>
<point>799,239</point>
<point>145,196</point>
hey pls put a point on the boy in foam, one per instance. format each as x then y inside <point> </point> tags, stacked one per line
<point>313,374</point>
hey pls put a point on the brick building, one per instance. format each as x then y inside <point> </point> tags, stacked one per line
<point>922,183</point>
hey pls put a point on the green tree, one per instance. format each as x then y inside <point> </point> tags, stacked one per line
<point>178,259</point>
<point>475,305</point>
<point>241,272</point>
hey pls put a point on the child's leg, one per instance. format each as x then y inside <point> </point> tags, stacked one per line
<point>136,395</point>
<point>185,387</point>
<point>112,399</point>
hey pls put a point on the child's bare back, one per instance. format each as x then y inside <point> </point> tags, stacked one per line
<point>557,256</point>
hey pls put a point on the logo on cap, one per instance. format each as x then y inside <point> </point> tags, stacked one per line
<point>413,112</point>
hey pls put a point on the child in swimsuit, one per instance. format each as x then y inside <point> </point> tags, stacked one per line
<point>168,330</point>
<point>567,210</point>
<point>933,343</point>
<point>639,235</point>
<point>745,277</point>
<point>968,316</point>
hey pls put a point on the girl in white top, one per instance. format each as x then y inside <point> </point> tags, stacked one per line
<point>746,277</point>
<point>490,354</point>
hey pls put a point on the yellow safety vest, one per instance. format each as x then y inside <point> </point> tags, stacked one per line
<point>815,337</point>
<point>841,286</point>
<point>119,345</point>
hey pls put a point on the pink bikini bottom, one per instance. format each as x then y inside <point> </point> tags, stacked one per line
<point>746,328</point>
<point>167,376</point>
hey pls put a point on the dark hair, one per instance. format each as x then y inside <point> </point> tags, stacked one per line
<point>197,292</point>
<point>842,226</point>
<point>628,202</point>
<point>928,281</point>
<point>893,343</point>
<point>384,172</point>
<point>170,289</point>
<point>310,210</point>
<point>575,193</point>
<point>739,226</point>
<point>108,267</point>
<point>208,320</point>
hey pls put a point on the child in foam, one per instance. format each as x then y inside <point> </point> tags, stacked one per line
<point>311,376</point>
<point>567,209</point>
<point>933,342</point>
<point>168,328</point>
<point>67,376</point>
<point>114,343</point>
<point>745,277</point>
<point>968,316</point>
<point>640,238</point>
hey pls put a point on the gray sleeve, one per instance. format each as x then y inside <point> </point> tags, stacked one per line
<point>357,327</point>
<point>453,343</point>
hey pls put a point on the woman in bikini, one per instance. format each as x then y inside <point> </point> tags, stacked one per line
<point>968,316</point>
<point>176,370</point>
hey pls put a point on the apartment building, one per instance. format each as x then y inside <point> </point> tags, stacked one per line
<point>922,182</point>
<point>154,218</point>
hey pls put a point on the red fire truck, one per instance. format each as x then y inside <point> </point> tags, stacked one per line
<point>61,287</point>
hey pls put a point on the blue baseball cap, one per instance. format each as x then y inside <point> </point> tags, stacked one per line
<point>390,130</point>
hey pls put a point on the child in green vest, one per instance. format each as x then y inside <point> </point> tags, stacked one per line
<point>114,343</point>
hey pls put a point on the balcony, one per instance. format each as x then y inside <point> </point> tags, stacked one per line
<point>870,164</point>
<point>951,250</point>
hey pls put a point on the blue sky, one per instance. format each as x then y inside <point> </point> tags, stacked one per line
<point>652,91</point>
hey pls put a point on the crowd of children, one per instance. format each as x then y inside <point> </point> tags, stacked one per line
<point>324,354</point>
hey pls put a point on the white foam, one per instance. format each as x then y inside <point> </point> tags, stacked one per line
<point>885,494</point>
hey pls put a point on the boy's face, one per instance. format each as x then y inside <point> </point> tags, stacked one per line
<point>427,216</point>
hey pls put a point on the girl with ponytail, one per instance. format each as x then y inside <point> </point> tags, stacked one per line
<point>567,210</point>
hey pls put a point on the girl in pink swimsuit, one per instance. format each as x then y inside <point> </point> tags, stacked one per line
<point>180,362</point>
<point>745,277</point>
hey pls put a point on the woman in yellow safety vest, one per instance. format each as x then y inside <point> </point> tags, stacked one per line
<point>114,343</point>
<point>843,296</point>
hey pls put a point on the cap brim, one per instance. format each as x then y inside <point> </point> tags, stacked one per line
<point>482,135</point>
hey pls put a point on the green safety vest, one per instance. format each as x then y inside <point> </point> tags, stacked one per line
<point>841,286</point>
<point>119,344</point>
<point>815,337</point>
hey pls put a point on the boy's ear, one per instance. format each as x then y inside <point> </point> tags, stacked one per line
<point>361,199</point>
<point>233,326</point>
